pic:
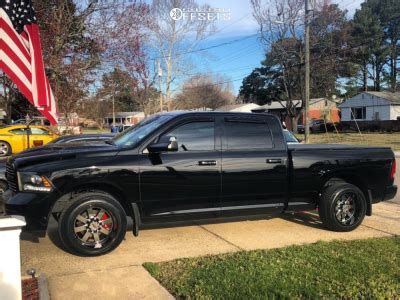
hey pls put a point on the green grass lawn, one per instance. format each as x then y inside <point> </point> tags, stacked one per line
<point>366,138</point>
<point>340,269</point>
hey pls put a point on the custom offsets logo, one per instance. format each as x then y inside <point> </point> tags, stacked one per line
<point>200,14</point>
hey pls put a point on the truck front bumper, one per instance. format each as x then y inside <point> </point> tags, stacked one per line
<point>33,206</point>
<point>390,192</point>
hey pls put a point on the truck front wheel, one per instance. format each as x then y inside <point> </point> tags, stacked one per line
<point>342,207</point>
<point>92,224</point>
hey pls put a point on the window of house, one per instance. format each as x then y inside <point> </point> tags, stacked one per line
<point>194,136</point>
<point>358,113</point>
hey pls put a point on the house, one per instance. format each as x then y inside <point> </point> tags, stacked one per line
<point>324,108</point>
<point>124,118</point>
<point>319,108</point>
<point>244,107</point>
<point>71,119</point>
<point>371,106</point>
<point>280,106</point>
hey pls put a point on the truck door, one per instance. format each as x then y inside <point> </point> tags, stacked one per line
<point>254,165</point>
<point>186,182</point>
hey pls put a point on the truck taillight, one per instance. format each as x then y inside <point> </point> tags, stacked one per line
<point>393,169</point>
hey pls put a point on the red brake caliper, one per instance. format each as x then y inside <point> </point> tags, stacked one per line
<point>105,217</point>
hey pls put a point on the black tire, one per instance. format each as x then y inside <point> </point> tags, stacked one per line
<point>84,213</point>
<point>5,149</point>
<point>342,207</point>
<point>3,186</point>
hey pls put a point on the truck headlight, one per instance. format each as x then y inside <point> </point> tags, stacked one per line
<point>30,182</point>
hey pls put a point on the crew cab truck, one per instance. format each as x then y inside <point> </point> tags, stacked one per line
<point>181,166</point>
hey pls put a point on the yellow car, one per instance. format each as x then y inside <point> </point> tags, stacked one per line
<point>14,139</point>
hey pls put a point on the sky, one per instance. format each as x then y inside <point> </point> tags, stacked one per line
<point>244,51</point>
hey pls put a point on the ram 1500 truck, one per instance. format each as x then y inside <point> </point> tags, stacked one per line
<point>181,166</point>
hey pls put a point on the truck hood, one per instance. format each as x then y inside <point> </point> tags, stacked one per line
<point>57,152</point>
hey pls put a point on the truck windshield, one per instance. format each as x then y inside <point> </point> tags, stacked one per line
<point>135,134</point>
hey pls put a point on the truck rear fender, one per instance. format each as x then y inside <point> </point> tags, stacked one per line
<point>355,180</point>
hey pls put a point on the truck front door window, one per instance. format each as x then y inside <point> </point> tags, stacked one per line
<point>194,136</point>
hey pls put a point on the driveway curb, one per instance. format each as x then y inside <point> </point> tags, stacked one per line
<point>43,287</point>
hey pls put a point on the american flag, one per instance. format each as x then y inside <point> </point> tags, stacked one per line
<point>21,55</point>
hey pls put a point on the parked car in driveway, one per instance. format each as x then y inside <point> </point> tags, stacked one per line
<point>14,139</point>
<point>300,128</point>
<point>187,166</point>
<point>321,126</point>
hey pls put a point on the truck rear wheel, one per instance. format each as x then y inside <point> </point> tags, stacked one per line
<point>342,207</point>
<point>92,224</point>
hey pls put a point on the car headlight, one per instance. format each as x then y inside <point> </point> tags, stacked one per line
<point>31,182</point>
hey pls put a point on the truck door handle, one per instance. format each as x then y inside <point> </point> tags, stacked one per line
<point>207,163</point>
<point>274,161</point>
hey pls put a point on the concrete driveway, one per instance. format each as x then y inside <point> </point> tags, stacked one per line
<point>120,274</point>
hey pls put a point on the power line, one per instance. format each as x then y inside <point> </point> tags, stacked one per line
<point>207,48</point>
<point>315,59</point>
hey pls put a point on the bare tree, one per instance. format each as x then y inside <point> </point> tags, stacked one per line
<point>174,39</point>
<point>204,92</point>
<point>281,31</point>
<point>124,37</point>
<point>280,24</point>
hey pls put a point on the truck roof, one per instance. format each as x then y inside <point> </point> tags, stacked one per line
<point>183,112</point>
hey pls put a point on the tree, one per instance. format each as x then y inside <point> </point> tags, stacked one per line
<point>262,86</point>
<point>330,33</point>
<point>204,91</point>
<point>125,38</point>
<point>173,38</point>
<point>280,24</point>
<point>118,86</point>
<point>70,52</point>
<point>365,31</point>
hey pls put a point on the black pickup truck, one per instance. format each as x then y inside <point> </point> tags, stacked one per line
<point>181,166</point>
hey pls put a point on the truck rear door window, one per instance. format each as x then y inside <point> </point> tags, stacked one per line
<point>247,134</point>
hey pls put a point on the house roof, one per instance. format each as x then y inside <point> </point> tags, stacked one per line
<point>275,105</point>
<point>238,107</point>
<point>389,96</point>
<point>393,98</point>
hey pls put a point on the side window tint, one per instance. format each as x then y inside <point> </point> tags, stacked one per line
<point>247,134</point>
<point>194,136</point>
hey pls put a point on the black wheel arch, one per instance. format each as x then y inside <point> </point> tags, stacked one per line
<point>67,195</point>
<point>354,180</point>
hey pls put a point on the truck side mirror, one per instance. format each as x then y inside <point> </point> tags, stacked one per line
<point>171,145</point>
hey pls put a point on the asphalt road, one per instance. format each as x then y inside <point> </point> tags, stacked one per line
<point>69,276</point>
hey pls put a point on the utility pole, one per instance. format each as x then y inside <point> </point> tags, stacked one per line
<point>160,85</point>
<point>113,104</point>
<point>308,11</point>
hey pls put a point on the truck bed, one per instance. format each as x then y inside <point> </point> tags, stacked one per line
<point>312,165</point>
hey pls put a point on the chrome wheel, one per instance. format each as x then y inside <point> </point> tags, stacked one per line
<point>345,209</point>
<point>94,227</point>
<point>4,149</point>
